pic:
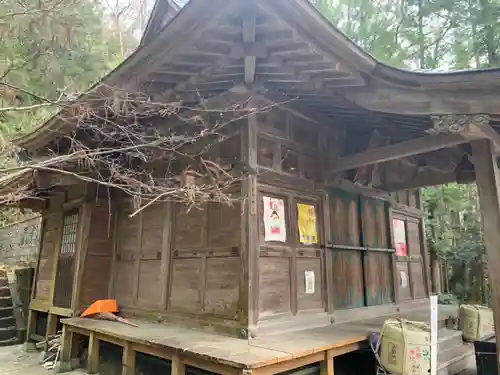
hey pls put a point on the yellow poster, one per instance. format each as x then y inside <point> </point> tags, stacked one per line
<point>307,224</point>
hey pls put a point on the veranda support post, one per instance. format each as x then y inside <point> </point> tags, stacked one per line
<point>488,184</point>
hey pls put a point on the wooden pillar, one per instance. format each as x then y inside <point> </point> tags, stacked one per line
<point>51,328</point>
<point>328,258</point>
<point>32,315</point>
<point>31,324</point>
<point>424,252</point>
<point>66,348</point>
<point>392,245</point>
<point>249,225</point>
<point>436,274</point>
<point>93,354</point>
<point>166,252</point>
<point>128,360</point>
<point>327,367</point>
<point>69,348</point>
<point>57,251</point>
<point>178,368</point>
<point>85,215</point>
<point>488,185</point>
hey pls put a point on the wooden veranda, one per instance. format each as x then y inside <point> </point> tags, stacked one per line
<point>218,354</point>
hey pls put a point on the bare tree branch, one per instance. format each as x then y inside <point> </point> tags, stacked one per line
<point>151,152</point>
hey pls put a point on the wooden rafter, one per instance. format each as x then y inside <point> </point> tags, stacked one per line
<point>196,78</point>
<point>249,28</point>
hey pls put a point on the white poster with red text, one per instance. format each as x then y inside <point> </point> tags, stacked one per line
<point>274,219</point>
<point>399,230</point>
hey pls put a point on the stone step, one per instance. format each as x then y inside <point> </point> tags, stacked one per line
<point>7,321</point>
<point>456,359</point>
<point>6,311</point>
<point>448,339</point>
<point>4,281</point>
<point>8,333</point>
<point>12,341</point>
<point>4,291</point>
<point>5,301</point>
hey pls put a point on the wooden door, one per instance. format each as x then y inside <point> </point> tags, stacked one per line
<point>65,270</point>
<point>409,256</point>
<point>377,261</point>
<point>361,258</point>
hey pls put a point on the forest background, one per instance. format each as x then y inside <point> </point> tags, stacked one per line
<point>52,50</point>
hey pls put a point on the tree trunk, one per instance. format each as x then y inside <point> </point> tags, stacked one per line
<point>435,274</point>
<point>421,36</point>
<point>446,276</point>
<point>488,19</point>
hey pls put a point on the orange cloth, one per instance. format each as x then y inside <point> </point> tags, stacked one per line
<point>101,306</point>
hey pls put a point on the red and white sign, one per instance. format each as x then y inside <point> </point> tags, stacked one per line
<point>400,237</point>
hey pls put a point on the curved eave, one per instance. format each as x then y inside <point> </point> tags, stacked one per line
<point>327,35</point>
<point>415,79</point>
<point>157,18</point>
<point>384,82</point>
<point>12,182</point>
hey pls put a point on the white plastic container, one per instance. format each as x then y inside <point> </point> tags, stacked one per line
<point>476,321</point>
<point>405,347</point>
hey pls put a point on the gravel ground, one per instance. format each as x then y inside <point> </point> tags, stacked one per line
<point>15,361</point>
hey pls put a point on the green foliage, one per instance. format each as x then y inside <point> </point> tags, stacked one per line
<point>447,299</point>
<point>453,224</point>
<point>454,235</point>
<point>426,34</point>
<point>50,48</point>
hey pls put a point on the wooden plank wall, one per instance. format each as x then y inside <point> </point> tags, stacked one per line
<point>98,255</point>
<point>204,266</point>
<point>206,261</point>
<point>139,253</point>
<point>127,255</point>
<point>180,262</point>
<point>50,237</point>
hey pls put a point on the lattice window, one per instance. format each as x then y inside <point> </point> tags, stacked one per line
<point>68,241</point>
<point>65,265</point>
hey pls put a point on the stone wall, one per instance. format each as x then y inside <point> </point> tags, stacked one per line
<point>19,243</point>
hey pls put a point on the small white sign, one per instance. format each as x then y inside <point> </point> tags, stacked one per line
<point>404,279</point>
<point>434,333</point>
<point>309,277</point>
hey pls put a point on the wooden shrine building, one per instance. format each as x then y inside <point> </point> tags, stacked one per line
<point>268,283</point>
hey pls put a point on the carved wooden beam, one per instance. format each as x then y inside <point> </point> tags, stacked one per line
<point>474,126</point>
<point>452,124</point>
